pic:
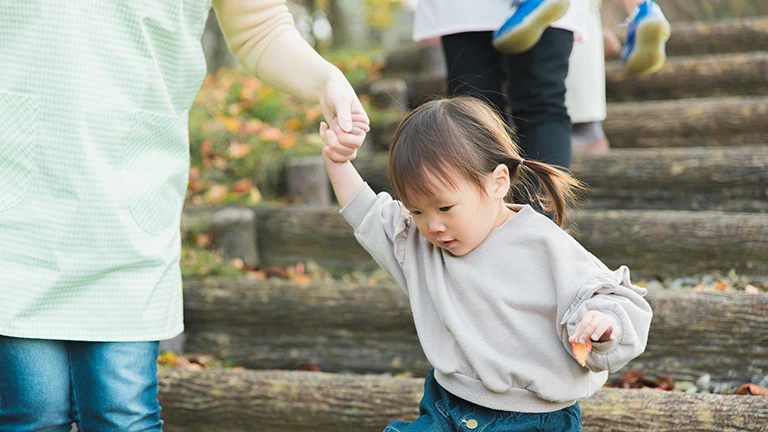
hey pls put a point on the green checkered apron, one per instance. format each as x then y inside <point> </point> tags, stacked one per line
<point>94,159</point>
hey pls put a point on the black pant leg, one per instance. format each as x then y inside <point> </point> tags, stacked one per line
<point>536,90</point>
<point>475,68</point>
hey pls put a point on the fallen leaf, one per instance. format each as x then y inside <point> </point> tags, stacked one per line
<point>276,271</point>
<point>287,141</point>
<point>752,389</point>
<point>271,134</point>
<point>293,124</point>
<point>635,379</point>
<point>312,114</point>
<point>722,285</point>
<point>238,150</point>
<point>242,186</point>
<point>581,351</point>
<point>216,194</point>
<point>308,366</point>
<point>231,124</point>
<point>303,279</point>
<point>203,240</point>
<point>751,289</point>
<point>699,288</point>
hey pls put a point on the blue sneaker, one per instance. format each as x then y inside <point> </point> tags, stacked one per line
<point>528,20</point>
<point>647,34</point>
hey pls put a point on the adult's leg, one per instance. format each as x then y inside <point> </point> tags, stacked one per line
<point>474,67</point>
<point>536,90</point>
<point>115,386</point>
<point>34,385</point>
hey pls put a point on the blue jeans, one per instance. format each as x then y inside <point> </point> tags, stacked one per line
<point>45,385</point>
<point>441,411</point>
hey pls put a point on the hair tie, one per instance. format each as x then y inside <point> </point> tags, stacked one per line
<point>522,161</point>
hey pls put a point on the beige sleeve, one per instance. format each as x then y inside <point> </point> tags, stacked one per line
<point>263,37</point>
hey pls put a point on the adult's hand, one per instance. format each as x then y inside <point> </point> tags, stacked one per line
<point>339,102</point>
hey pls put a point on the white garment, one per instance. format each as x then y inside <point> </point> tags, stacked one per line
<point>585,84</point>
<point>435,18</point>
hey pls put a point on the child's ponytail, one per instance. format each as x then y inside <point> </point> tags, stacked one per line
<point>553,188</point>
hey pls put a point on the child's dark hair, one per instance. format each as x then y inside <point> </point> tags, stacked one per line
<point>463,135</point>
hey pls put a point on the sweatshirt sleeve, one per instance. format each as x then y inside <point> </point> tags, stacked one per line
<point>381,226</point>
<point>613,294</point>
<point>263,37</point>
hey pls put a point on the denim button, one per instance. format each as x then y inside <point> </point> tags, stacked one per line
<point>471,424</point>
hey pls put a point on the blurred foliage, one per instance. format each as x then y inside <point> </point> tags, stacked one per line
<point>381,13</point>
<point>241,131</point>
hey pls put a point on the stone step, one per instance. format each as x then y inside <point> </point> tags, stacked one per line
<point>693,178</point>
<point>275,401</point>
<point>737,74</point>
<point>651,242</point>
<point>688,38</point>
<point>704,122</point>
<point>362,328</point>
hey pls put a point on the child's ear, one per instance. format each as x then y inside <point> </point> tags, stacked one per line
<point>499,182</point>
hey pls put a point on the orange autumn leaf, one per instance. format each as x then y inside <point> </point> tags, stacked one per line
<point>287,141</point>
<point>293,125</point>
<point>312,114</point>
<point>581,351</point>
<point>699,288</point>
<point>242,186</point>
<point>302,279</point>
<point>722,286</point>
<point>231,124</point>
<point>752,389</point>
<point>238,150</point>
<point>271,134</point>
<point>216,194</point>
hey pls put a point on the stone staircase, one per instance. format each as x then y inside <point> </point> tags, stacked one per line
<point>684,192</point>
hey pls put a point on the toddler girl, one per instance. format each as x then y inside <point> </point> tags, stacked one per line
<point>499,293</point>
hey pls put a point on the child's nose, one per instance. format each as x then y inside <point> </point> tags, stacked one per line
<point>436,227</point>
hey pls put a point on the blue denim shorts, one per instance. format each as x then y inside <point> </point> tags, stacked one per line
<point>46,385</point>
<point>441,411</point>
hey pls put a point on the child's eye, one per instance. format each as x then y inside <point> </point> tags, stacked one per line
<point>415,212</point>
<point>445,209</point>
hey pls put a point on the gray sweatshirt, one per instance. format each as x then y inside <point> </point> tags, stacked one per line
<point>495,322</point>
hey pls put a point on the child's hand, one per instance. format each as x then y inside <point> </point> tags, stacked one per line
<point>595,325</point>
<point>342,146</point>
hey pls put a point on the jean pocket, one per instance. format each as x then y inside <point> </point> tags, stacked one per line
<point>156,169</point>
<point>18,141</point>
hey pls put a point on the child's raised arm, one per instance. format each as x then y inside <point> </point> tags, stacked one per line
<point>340,148</point>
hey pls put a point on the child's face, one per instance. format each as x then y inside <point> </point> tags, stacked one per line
<point>456,219</point>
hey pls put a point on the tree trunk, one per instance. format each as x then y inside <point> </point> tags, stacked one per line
<point>232,401</point>
<point>688,77</point>
<point>363,328</point>
<point>729,179</point>
<point>688,123</point>
<point>651,243</point>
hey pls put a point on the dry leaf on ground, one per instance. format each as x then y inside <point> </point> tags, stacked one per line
<point>752,389</point>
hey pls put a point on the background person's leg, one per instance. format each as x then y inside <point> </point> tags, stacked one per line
<point>34,385</point>
<point>536,90</point>
<point>115,386</point>
<point>474,67</point>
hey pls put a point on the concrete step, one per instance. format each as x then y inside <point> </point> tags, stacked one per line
<point>690,178</point>
<point>365,328</point>
<point>650,242</point>
<point>703,122</point>
<point>274,401</point>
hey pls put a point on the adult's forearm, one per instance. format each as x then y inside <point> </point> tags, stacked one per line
<point>263,37</point>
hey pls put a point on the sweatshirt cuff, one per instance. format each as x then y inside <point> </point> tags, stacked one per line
<point>359,206</point>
